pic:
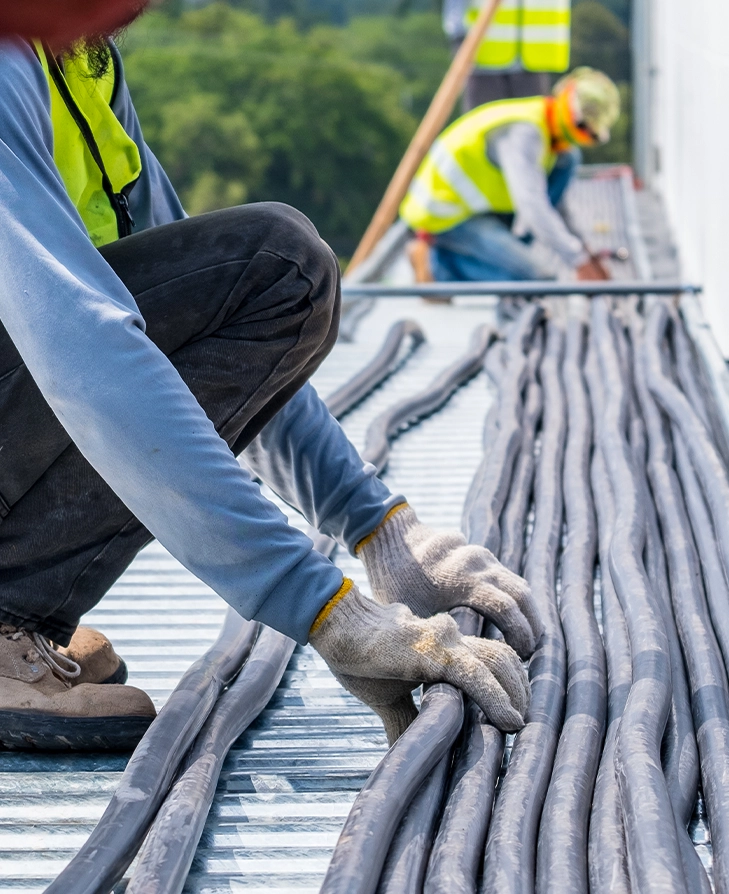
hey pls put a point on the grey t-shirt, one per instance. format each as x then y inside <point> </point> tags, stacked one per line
<point>83,340</point>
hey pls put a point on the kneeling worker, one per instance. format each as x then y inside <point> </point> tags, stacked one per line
<point>492,180</point>
<point>140,351</point>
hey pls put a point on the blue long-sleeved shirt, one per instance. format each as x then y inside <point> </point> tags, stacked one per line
<point>82,338</point>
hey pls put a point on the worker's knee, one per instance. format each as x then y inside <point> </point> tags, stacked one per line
<point>290,236</point>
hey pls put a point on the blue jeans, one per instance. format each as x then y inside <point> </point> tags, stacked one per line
<point>483,249</point>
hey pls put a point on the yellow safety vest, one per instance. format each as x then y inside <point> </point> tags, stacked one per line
<point>96,158</point>
<point>456,179</point>
<point>534,34</point>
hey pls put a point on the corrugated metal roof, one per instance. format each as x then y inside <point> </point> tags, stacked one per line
<point>289,782</point>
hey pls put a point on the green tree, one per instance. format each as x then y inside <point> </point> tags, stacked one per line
<point>413,45</point>
<point>601,40</point>
<point>236,108</point>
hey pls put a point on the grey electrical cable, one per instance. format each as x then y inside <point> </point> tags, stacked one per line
<point>513,520</point>
<point>717,590</point>
<point>485,501</point>
<point>407,858</point>
<point>111,847</point>
<point>693,381</point>
<point>509,864</point>
<point>562,844</point>
<point>382,365</point>
<point>408,855</point>
<point>653,853</point>
<point>377,439</point>
<point>607,852</point>
<point>709,696</point>
<point>680,753</point>
<point>458,848</point>
<point>704,457</point>
<point>363,845</point>
<point>169,848</point>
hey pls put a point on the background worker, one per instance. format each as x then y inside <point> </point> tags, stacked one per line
<point>492,180</point>
<point>527,43</point>
<point>140,350</point>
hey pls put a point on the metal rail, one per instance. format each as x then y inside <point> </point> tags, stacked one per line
<point>527,288</point>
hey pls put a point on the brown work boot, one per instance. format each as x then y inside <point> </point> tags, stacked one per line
<point>96,657</point>
<point>41,710</point>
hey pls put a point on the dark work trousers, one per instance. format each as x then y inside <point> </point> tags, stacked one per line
<point>245,303</point>
<point>485,86</point>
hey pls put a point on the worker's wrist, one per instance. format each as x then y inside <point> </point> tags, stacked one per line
<point>371,536</point>
<point>328,607</point>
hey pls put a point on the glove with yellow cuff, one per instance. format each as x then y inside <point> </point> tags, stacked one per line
<point>433,571</point>
<point>380,653</point>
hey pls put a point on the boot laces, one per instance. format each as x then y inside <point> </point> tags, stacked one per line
<point>43,649</point>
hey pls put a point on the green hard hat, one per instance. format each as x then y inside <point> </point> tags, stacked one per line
<point>596,97</point>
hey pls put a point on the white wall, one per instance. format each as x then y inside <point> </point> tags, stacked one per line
<point>688,131</point>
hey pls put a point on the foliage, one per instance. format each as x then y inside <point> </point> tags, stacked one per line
<point>412,45</point>
<point>601,40</point>
<point>619,8</point>
<point>236,108</point>
<point>307,13</point>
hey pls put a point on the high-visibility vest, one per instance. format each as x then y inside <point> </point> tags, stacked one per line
<point>532,34</point>
<point>457,181</point>
<point>96,158</point>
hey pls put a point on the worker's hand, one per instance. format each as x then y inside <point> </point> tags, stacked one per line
<point>592,269</point>
<point>432,571</point>
<point>381,652</point>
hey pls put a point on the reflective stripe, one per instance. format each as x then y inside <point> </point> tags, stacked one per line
<point>435,207</point>
<point>545,34</point>
<point>558,5</point>
<point>453,173</point>
<point>503,32</point>
<point>533,33</point>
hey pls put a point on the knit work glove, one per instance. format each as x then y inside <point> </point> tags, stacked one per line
<point>381,652</point>
<point>434,571</point>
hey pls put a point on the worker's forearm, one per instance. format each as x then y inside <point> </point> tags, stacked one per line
<point>518,150</point>
<point>305,457</point>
